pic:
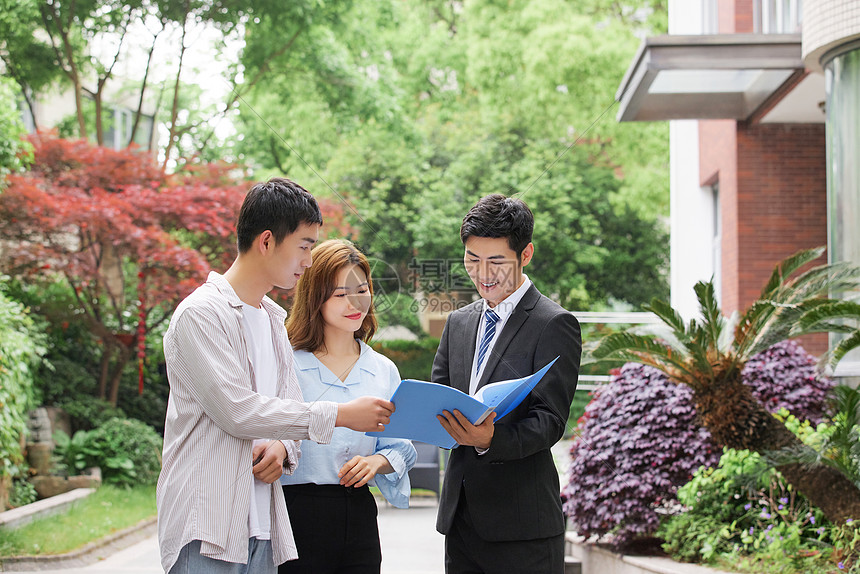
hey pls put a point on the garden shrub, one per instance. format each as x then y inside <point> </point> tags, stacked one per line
<point>639,440</point>
<point>20,353</point>
<point>743,514</point>
<point>743,511</point>
<point>68,377</point>
<point>414,359</point>
<point>23,492</point>
<point>127,451</point>
<point>784,377</point>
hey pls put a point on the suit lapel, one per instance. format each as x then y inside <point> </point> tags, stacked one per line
<point>513,324</point>
<point>469,338</point>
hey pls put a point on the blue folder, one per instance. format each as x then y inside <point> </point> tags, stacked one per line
<point>418,402</point>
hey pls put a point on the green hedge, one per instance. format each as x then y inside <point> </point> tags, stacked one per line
<point>414,359</point>
<point>22,344</point>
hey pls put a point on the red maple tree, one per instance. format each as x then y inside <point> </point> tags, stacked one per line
<point>130,240</point>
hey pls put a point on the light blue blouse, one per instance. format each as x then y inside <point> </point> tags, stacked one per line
<point>374,374</point>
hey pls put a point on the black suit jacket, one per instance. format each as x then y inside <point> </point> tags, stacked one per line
<point>512,491</point>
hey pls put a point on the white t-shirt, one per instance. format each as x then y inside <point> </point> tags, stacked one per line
<point>261,352</point>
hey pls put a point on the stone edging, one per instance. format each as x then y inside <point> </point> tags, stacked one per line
<point>595,558</point>
<point>23,514</point>
<point>88,554</point>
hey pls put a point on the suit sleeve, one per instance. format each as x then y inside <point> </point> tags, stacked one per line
<point>549,403</point>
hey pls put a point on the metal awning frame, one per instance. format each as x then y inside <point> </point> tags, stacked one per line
<point>704,52</point>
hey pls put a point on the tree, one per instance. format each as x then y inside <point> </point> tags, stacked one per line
<point>13,150</point>
<point>107,223</point>
<point>709,354</point>
<point>24,57</point>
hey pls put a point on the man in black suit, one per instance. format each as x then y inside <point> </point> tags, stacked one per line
<point>500,509</point>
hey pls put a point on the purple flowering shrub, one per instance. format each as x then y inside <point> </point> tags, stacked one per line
<point>639,440</point>
<point>784,376</point>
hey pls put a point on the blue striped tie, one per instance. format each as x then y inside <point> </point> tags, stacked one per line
<point>489,332</point>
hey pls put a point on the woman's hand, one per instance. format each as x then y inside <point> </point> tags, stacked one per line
<point>359,470</point>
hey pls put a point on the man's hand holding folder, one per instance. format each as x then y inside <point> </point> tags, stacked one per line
<point>464,432</point>
<point>419,406</point>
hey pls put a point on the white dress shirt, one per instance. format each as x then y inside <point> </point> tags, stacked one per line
<point>503,310</point>
<point>213,416</point>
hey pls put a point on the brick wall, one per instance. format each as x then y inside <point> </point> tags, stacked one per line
<point>735,16</point>
<point>773,201</point>
<point>782,202</point>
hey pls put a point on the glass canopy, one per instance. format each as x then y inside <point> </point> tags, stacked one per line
<point>725,76</point>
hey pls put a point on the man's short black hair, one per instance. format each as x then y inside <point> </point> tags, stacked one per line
<point>279,205</point>
<point>499,216</point>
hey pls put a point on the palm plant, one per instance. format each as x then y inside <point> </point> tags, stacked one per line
<point>708,354</point>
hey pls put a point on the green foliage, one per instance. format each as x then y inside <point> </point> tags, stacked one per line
<point>73,454</point>
<point>836,444</point>
<point>23,492</point>
<point>414,359</point>
<point>744,508</point>
<point>581,398</point>
<point>22,344</point>
<point>397,309</point>
<point>127,451</point>
<point>742,516</point>
<point>68,376</point>
<point>412,111</point>
<point>14,151</point>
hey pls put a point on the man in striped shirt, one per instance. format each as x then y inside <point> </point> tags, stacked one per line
<point>235,416</point>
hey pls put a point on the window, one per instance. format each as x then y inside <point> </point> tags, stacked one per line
<point>842,82</point>
<point>716,242</point>
<point>710,17</point>
<point>118,128</point>
<point>777,16</point>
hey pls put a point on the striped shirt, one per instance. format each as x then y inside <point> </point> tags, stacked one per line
<point>213,416</point>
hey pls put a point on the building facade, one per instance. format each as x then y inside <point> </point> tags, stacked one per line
<point>763,99</point>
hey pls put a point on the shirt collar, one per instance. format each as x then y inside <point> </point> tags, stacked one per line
<point>306,361</point>
<point>507,306</point>
<point>273,309</point>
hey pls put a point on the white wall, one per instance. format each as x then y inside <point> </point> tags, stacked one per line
<point>691,212</point>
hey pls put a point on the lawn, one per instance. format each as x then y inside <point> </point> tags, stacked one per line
<point>110,509</point>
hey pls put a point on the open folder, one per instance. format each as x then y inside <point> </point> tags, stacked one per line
<point>417,403</point>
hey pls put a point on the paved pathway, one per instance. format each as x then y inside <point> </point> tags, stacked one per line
<point>410,545</point>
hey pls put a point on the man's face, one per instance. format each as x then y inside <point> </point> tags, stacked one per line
<point>493,267</point>
<point>289,259</point>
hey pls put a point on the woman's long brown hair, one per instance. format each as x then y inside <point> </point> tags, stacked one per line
<point>305,325</point>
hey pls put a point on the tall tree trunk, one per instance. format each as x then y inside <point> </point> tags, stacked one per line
<point>104,369</point>
<point>100,130</point>
<point>122,358</point>
<point>174,113</point>
<point>71,67</point>
<point>737,420</point>
<point>139,111</point>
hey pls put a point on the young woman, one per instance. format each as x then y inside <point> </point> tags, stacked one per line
<point>331,509</point>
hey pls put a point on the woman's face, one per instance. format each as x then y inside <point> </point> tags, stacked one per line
<point>348,305</point>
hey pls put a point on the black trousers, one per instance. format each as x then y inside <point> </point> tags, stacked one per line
<point>335,530</point>
<point>467,553</point>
